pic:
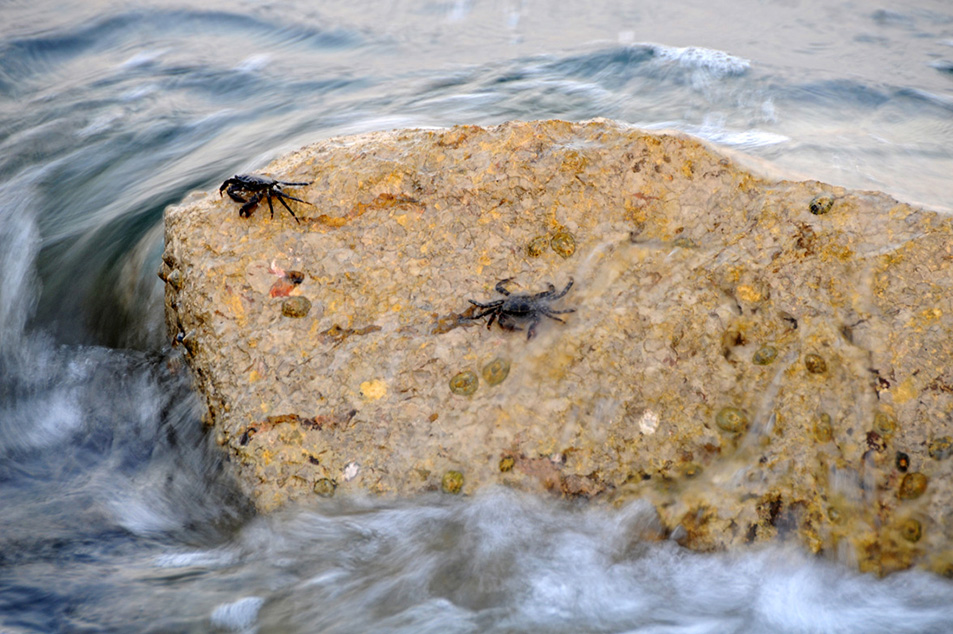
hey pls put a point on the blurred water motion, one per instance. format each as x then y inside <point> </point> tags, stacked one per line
<point>117,515</point>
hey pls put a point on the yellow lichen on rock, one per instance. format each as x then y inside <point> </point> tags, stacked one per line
<point>374,389</point>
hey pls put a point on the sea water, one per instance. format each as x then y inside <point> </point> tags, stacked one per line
<point>116,511</point>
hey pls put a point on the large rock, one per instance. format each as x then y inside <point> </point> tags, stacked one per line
<point>758,359</point>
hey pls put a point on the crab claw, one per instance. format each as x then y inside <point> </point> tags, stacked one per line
<point>225,185</point>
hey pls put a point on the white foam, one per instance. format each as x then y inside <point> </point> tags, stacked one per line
<point>61,418</point>
<point>741,138</point>
<point>238,616</point>
<point>144,58</point>
<point>253,63</point>
<point>141,516</point>
<point>139,92</point>
<point>752,138</point>
<point>717,62</point>
<point>100,123</point>
<point>199,558</point>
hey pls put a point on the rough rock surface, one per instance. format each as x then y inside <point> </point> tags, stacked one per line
<point>759,359</point>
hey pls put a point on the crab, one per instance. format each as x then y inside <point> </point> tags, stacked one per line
<point>524,307</point>
<point>258,187</point>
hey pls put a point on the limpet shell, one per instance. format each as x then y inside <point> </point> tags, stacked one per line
<point>536,246</point>
<point>765,355</point>
<point>820,205</point>
<point>325,487</point>
<point>732,420</point>
<point>297,306</point>
<point>940,448</point>
<point>496,371</point>
<point>563,243</point>
<point>911,530</point>
<point>912,486</point>
<point>823,431</point>
<point>815,363</point>
<point>464,383</point>
<point>884,424</point>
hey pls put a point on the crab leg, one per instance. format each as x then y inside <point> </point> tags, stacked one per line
<point>491,310</point>
<point>270,207</point>
<point>284,195</point>
<point>562,292</point>
<point>545,294</point>
<point>281,198</point>
<point>532,328</point>
<point>490,305</point>
<point>247,208</point>
<point>501,288</point>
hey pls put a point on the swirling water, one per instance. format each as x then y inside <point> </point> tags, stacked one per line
<point>115,510</point>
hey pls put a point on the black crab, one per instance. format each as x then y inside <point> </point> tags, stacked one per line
<point>523,307</point>
<point>258,187</point>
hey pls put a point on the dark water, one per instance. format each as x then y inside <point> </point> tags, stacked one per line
<point>115,514</point>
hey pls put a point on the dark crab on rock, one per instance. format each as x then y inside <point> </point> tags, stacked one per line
<point>524,307</point>
<point>258,187</point>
